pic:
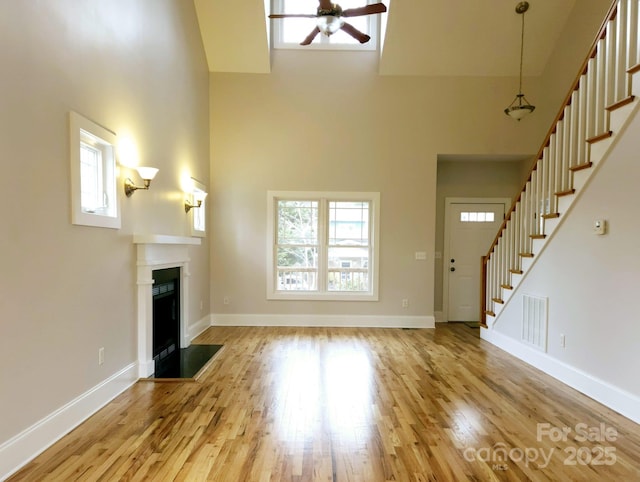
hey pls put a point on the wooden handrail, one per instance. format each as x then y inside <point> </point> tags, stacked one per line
<point>528,229</point>
<point>611,14</point>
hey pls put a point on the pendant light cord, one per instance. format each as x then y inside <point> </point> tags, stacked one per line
<point>521,53</point>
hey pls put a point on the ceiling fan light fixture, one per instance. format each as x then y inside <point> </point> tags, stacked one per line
<point>329,24</point>
<point>520,107</point>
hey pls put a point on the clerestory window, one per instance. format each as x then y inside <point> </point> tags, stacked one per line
<point>289,32</point>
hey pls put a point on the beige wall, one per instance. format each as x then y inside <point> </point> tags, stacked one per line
<point>327,121</point>
<point>572,48</point>
<point>136,67</point>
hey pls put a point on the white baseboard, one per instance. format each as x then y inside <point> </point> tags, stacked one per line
<point>199,326</point>
<point>20,449</point>
<point>621,401</point>
<point>370,321</point>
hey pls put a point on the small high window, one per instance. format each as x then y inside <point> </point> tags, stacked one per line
<point>94,197</point>
<point>198,215</point>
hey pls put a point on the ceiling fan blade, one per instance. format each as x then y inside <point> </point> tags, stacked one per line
<point>355,33</point>
<point>289,15</point>
<point>326,5</point>
<point>310,37</point>
<point>366,10</point>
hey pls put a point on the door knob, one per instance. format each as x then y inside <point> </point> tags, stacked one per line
<point>453,260</point>
<point>452,269</point>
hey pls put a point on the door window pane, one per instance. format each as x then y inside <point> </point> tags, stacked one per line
<point>477,217</point>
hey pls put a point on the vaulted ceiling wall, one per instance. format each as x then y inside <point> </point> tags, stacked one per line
<point>435,37</point>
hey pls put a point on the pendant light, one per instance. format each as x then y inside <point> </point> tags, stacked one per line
<point>520,107</point>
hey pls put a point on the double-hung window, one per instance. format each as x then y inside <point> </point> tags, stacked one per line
<point>322,245</point>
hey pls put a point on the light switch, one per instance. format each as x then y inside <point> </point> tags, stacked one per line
<point>600,226</point>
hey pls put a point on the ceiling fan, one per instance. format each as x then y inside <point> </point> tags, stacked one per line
<point>330,19</point>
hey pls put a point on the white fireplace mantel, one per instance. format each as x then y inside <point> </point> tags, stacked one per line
<point>159,251</point>
<point>164,239</point>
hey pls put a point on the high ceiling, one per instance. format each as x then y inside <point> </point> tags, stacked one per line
<point>423,37</point>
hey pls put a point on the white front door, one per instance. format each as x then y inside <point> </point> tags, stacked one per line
<point>472,228</point>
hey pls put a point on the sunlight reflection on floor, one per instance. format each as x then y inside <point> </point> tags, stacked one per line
<point>327,389</point>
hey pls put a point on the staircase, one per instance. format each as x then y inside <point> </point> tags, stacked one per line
<point>600,103</point>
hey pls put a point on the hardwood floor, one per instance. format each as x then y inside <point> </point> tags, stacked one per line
<point>349,404</point>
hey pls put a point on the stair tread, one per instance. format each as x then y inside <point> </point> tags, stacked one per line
<point>516,271</point>
<point>537,236</point>
<point>506,287</point>
<point>621,103</point>
<point>568,192</point>
<point>490,313</point>
<point>579,167</point>
<point>550,215</point>
<point>599,137</point>
<point>526,255</point>
<point>498,300</point>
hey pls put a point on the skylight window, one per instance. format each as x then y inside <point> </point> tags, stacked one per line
<point>289,32</point>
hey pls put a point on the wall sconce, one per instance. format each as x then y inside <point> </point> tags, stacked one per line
<point>146,173</point>
<point>198,197</point>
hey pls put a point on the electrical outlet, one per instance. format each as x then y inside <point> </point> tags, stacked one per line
<point>226,300</point>
<point>562,341</point>
<point>405,303</point>
<point>100,355</point>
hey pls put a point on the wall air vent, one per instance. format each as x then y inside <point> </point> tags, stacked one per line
<point>534,321</point>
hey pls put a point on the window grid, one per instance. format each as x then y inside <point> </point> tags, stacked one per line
<point>328,253</point>
<point>348,246</point>
<point>92,193</point>
<point>297,245</point>
<point>477,217</point>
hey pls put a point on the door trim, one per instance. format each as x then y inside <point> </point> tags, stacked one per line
<point>448,202</point>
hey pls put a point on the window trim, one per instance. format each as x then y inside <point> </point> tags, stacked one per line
<point>323,196</point>
<point>277,29</point>
<point>82,130</point>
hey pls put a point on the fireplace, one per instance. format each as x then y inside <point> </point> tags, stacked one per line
<point>166,318</point>
<point>157,253</point>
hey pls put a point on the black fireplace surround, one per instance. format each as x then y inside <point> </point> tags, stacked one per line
<point>166,318</point>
